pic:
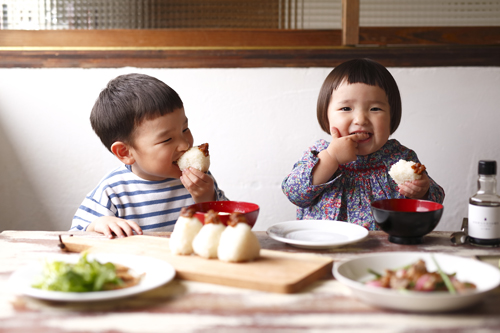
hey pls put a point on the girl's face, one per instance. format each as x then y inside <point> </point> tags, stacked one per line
<point>359,107</point>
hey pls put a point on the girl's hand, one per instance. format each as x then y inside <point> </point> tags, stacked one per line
<point>344,148</point>
<point>199,184</point>
<point>416,189</point>
<point>109,225</point>
<point>340,151</point>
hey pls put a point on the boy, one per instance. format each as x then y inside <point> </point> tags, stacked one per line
<point>142,122</point>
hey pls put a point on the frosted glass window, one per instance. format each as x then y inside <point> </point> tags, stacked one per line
<point>236,14</point>
<point>421,13</point>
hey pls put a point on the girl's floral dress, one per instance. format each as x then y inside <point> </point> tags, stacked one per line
<point>348,194</point>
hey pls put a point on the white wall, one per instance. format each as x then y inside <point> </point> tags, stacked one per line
<point>257,121</point>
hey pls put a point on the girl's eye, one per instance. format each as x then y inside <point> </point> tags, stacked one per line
<point>345,108</point>
<point>375,109</point>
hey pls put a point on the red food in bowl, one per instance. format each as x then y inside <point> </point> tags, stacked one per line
<point>224,208</point>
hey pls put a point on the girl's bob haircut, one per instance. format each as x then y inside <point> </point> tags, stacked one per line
<point>359,71</point>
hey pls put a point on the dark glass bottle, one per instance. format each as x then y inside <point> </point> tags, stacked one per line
<point>484,208</point>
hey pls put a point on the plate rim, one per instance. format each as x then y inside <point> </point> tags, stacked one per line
<point>316,244</point>
<point>168,275</point>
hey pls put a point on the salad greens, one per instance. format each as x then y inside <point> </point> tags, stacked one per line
<point>84,276</point>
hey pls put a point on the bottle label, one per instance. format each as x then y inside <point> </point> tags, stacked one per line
<point>484,222</point>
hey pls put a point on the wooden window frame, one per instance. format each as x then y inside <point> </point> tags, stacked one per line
<point>228,48</point>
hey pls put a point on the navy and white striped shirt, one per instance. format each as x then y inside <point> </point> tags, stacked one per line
<point>153,205</point>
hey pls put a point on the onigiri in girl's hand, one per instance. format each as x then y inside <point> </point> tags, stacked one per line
<point>406,171</point>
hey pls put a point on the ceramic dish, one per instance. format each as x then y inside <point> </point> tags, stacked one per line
<point>353,273</point>
<point>316,234</point>
<point>156,273</point>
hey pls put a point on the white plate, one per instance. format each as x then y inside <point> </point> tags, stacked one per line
<point>354,272</point>
<point>157,272</point>
<point>317,234</point>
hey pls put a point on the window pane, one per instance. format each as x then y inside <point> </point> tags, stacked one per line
<point>240,14</point>
<point>421,13</point>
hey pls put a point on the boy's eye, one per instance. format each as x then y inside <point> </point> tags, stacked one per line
<point>166,140</point>
<point>184,131</point>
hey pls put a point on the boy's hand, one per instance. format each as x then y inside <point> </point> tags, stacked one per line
<point>416,189</point>
<point>108,225</point>
<point>344,148</point>
<point>199,184</point>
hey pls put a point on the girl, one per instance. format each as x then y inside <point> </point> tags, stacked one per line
<point>360,107</point>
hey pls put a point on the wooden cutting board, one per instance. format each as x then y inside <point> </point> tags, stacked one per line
<point>274,271</point>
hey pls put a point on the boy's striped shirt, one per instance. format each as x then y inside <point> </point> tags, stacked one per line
<point>153,205</point>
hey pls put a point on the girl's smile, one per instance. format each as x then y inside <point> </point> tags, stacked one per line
<point>361,108</point>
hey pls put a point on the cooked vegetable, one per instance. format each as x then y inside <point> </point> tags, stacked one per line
<point>84,276</point>
<point>445,277</point>
<point>415,277</point>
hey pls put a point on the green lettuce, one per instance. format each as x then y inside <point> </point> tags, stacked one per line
<point>84,276</point>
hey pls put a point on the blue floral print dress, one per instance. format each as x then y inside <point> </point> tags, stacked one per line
<point>348,194</point>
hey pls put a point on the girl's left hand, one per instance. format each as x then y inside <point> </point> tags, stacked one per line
<point>416,189</point>
<point>199,184</point>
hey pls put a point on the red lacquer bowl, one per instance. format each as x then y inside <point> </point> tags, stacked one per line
<point>250,210</point>
<point>406,220</point>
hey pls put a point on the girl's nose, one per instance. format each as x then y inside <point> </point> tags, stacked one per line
<point>360,118</point>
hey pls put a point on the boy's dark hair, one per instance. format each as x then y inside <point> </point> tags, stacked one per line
<point>359,71</point>
<point>127,101</point>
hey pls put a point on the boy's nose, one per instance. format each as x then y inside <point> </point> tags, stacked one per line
<point>184,145</point>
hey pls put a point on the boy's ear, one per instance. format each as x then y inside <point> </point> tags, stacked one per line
<point>122,151</point>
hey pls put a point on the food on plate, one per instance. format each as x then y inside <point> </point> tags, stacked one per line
<point>84,276</point>
<point>238,243</point>
<point>206,242</point>
<point>185,229</point>
<point>196,157</point>
<point>416,277</point>
<point>406,171</point>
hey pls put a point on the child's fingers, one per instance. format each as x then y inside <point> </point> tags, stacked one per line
<point>136,227</point>
<point>358,136</point>
<point>195,177</point>
<point>196,173</point>
<point>126,228</point>
<point>107,231</point>
<point>334,132</point>
<point>117,230</point>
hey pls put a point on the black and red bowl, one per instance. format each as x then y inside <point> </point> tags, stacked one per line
<point>406,220</point>
<point>224,208</point>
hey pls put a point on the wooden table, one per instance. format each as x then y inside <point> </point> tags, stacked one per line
<point>186,306</point>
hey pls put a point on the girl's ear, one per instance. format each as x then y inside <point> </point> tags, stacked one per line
<point>122,151</point>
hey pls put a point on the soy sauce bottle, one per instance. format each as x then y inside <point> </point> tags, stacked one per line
<point>484,208</point>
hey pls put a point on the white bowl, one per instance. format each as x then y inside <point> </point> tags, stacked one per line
<point>353,273</point>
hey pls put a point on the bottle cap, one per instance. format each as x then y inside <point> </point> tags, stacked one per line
<point>487,168</point>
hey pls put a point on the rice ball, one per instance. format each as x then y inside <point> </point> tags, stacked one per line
<point>206,242</point>
<point>238,243</point>
<point>406,171</point>
<point>196,157</point>
<point>185,230</point>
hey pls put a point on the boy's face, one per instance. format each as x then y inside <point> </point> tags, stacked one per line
<point>158,143</point>
<point>359,107</point>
